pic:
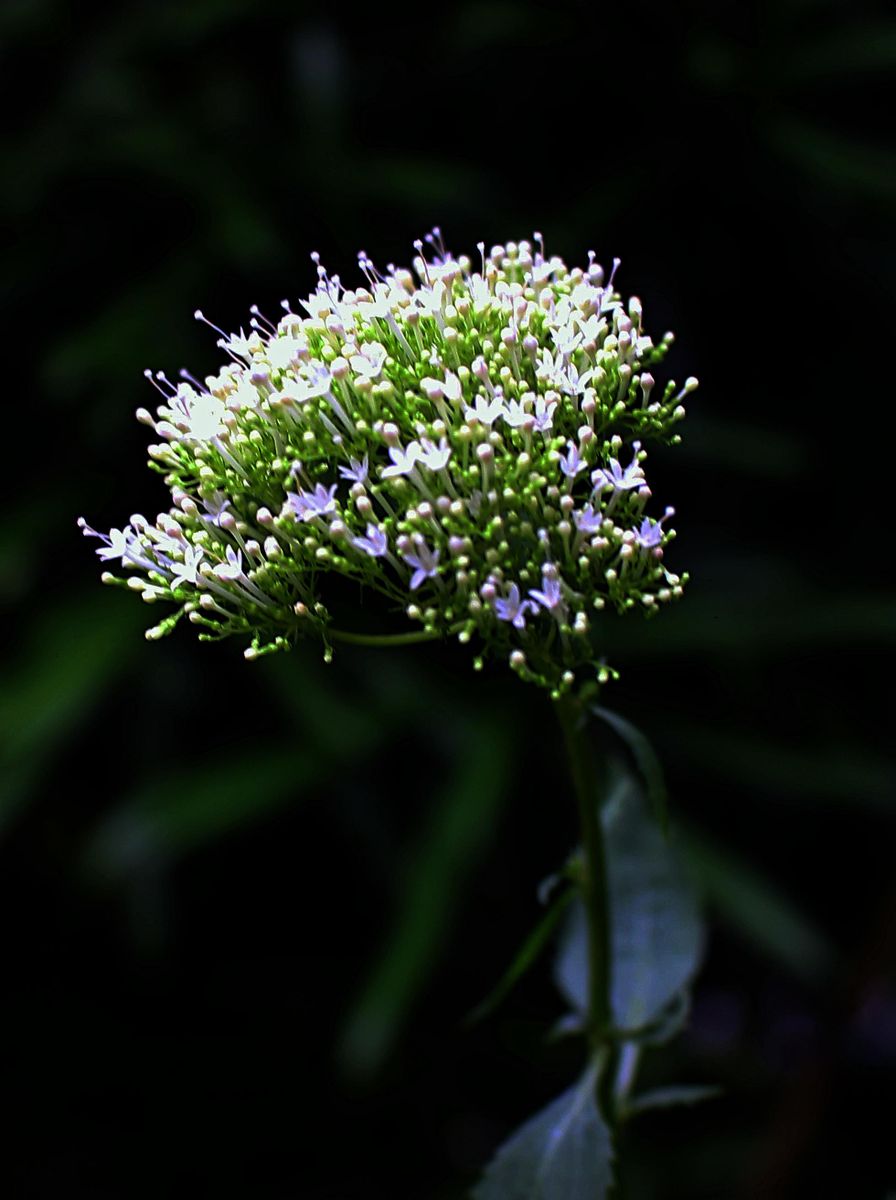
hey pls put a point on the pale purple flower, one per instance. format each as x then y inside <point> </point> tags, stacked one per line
<point>376,544</point>
<point>424,561</point>
<point>355,471</point>
<point>621,479</point>
<point>215,508</point>
<point>649,535</point>
<point>317,379</point>
<point>587,520</point>
<point>544,415</point>
<point>550,596</point>
<point>435,457</point>
<point>572,464</point>
<point>403,461</point>
<point>513,609</point>
<point>232,568</point>
<point>308,505</point>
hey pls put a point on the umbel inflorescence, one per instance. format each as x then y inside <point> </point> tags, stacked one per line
<point>467,440</point>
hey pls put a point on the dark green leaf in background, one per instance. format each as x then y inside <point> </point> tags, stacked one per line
<point>460,826</point>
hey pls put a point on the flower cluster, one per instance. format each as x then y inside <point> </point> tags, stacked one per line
<point>466,440</point>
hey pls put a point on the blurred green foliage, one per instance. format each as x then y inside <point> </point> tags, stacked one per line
<point>224,883</point>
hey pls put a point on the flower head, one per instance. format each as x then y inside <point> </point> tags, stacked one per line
<point>452,435</point>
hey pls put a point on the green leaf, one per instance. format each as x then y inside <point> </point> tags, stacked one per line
<point>525,957</point>
<point>562,1153</point>
<point>656,931</point>
<point>670,1097</point>
<point>645,759</point>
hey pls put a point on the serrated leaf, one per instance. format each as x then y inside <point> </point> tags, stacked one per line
<point>674,1096</point>
<point>562,1153</point>
<point>655,926</point>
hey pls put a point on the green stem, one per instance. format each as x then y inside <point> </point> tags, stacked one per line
<point>383,639</point>
<point>594,872</point>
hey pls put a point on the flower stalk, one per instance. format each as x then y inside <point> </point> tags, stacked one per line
<point>593,872</point>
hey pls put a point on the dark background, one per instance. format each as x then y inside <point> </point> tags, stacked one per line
<point>245,908</point>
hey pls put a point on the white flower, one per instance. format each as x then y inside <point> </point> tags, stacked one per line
<point>403,461</point>
<point>370,360</point>
<point>486,411</point>
<point>205,420</point>
<point>435,457</point>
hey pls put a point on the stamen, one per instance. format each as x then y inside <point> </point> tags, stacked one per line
<point>147,374</point>
<point>185,374</point>
<point>164,378</point>
<point>199,315</point>
<point>256,312</point>
<point>418,246</point>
